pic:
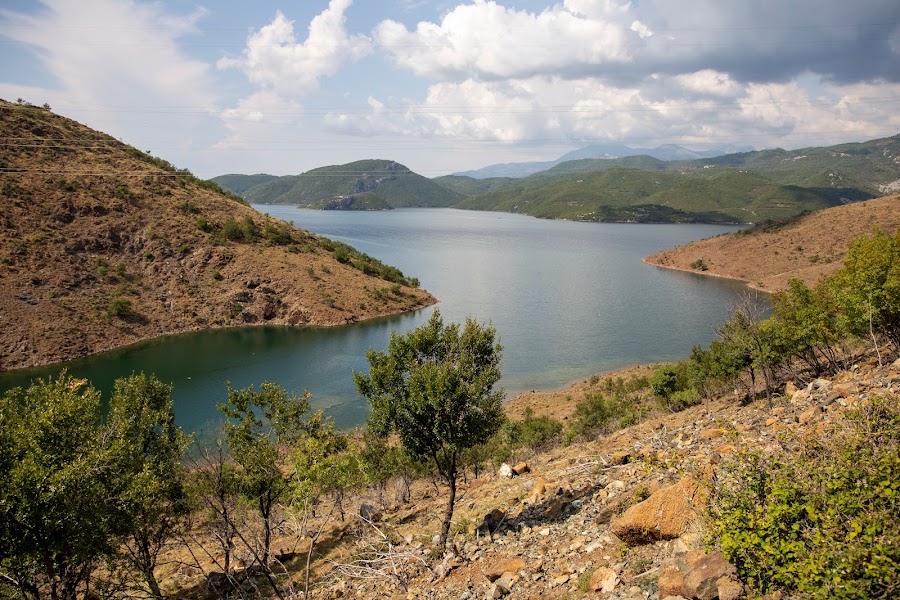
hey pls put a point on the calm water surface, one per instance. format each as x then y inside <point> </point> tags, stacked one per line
<point>567,299</point>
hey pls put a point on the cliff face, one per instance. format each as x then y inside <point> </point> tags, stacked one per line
<point>102,245</point>
<point>767,257</point>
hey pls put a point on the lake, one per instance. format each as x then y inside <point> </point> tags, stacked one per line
<point>568,299</point>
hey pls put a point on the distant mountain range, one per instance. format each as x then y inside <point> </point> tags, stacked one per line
<point>360,185</point>
<point>734,188</point>
<point>605,151</point>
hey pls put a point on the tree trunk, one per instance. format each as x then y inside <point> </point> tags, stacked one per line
<point>448,514</point>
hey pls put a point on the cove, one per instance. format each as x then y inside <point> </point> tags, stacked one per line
<point>568,299</point>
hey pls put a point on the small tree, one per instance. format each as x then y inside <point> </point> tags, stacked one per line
<point>434,387</point>
<point>258,442</point>
<point>154,499</point>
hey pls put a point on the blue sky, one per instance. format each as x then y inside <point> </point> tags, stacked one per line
<point>442,86</point>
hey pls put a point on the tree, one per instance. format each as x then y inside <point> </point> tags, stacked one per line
<point>434,387</point>
<point>143,422</point>
<point>73,486</point>
<point>867,287</point>
<point>258,441</point>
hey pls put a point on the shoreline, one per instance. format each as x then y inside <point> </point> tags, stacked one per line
<point>746,282</point>
<point>429,301</point>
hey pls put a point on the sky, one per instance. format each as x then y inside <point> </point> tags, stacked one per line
<point>281,87</point>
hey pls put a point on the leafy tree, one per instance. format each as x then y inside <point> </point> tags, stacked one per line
<point>664,382</point>
<point>142,420</point>
<point>434,387</point>
<point>867,287</point>
<point>262,426</point>
<point>73,487</point>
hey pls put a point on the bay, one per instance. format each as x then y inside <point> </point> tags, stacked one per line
<point>568,299</point>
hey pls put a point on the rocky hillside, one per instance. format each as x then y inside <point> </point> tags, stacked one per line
<point>769,255</point>
<point>102,245</point>
<point>620,517</point>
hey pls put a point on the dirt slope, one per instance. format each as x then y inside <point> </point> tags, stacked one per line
<point>808,248</point>
<point>102,246</point>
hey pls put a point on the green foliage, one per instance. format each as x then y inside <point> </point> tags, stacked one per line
<point>74,487</point>
<point>119,307</point>
<point>699,265</point>
<point>533,432</point>
<point>261,426</point>
<point>664,381</point>
<point>231,229</point>
<point>867,287</point>
<point>434,388</point>
<point>395,184</point>
<point>601,413</point>
<point>820,522</point>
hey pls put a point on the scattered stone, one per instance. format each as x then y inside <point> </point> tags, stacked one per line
<point>505,471</point>
<point>509,565</point>
<point>538,489</point>
<point>729,588</point>
<point>603,580</point>
<point>710,434</point>
<point>521,468</point>
<point>701,579</point>
<point>369,513</point>
<point>664,515</point>
<point>622,457</point>
<point>492,521</point>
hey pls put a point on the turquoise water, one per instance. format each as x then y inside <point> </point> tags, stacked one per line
<point>567,299</point>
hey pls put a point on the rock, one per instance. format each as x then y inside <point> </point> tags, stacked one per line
<point>808,415</point>
<point>729,588</point>
<point>771,421</point>
<point>508,565</point>
<point>670,581</point>
<point>621,457</point>
<point>505,471</point>
<point>538,489</point>
<point>603,580</point>
<point>703,574</point>
<point>819,385</point>
<point>495,592</point>
<point>369,513</point>
<point>558,581</point>
<point>710,434</point>
<point>507,581</point>
<point>521,468</point>
<point>492,521</point>
<point>790,388</point>
<point>664,515</point>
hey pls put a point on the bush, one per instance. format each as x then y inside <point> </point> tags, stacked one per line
<point>119,307</point>
<point>821,522</point>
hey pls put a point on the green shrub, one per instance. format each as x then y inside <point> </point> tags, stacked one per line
<point>119,307</point>
<point>820,522</point>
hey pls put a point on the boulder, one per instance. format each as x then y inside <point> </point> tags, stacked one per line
<point>496,570</point>
<point>491,521</point>
<point>537,490</point>
<point>701,581</point>
<point>604,580</point>
<point>369,513</point>
<point>663,516</point>
<point>521,468</point>
<point>505,471</point>
<point>622,457</point>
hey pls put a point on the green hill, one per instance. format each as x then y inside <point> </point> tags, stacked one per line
<point>238,184</point>
<point>375,184</point>
<point>620,194</point>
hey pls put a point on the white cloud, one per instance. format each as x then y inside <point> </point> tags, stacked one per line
<point>714,111</point>
<point>116,66</point>
<point>708,82</point>
<point>487,40</point>
<point>274,59</point>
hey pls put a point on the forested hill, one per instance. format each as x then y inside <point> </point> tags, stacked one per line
<point>742,187</point>
<point>360,185</point>
<point>102,245</point>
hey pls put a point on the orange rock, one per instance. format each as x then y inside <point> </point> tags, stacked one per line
<point>496,570</point>
<point>663,516</point>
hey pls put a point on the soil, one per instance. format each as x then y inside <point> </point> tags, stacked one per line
<point>102,246</point>
<point>767,257</point>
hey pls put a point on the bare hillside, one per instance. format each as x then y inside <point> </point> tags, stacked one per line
<point>767,257</point>
<point>102,245</point>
